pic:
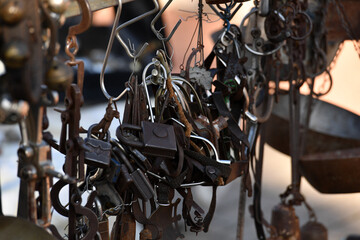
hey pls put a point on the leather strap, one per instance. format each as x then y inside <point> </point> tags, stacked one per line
<point>233,127</point>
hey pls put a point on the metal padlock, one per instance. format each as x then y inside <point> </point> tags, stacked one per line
<point>284,219</point>
<point>157,139</point>
<point>100,154</point>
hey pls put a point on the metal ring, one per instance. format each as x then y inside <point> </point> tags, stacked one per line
<point>270,104</point>
<point>308,32</point>
<point>254,10</point>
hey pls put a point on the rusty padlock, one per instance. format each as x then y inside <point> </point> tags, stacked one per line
<point>100,153</point>
<point>156,139</point>
<point>313,230</point>
<point>285,221</point>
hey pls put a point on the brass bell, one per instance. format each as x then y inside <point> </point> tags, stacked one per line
<point>58,6</point>
<point>15,54</point>
<point>313,230</point>
<point>13,11</point>
<point>285,221</point>
<point>59,76</point>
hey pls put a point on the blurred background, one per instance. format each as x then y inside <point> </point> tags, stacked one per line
<point>340,213</point>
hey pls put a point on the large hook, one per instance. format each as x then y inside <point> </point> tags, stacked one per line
<point>85,23</point>
<point>107,54</point>
<point>156,32</point>
<point>86,18</point>
<point>131,53</point>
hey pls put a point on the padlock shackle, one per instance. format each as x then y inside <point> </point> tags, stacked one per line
<point>125,140</point>
<point>107,134</point>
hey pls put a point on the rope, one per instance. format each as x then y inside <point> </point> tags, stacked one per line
<point>183,119</point>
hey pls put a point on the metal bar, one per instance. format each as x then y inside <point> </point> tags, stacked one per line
<point>74,10</point>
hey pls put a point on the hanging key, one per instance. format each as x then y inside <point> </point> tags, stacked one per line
<point>141,184</point>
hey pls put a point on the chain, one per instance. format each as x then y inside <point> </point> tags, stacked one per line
<point>346,25</point>
<point>336,57</point>
<point>115,210</point>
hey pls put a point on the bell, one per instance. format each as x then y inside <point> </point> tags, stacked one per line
<point>59,76</point>
<point>58,6</point>
<point>13,11</point>
<point>285,221</point>
<point>15,54</point>
<point>313,231</point>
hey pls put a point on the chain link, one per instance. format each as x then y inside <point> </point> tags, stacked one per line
<point>346,25</point>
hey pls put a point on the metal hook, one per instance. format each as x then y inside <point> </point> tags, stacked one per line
<point>86,18</point>
<point>156,32</point>
<point>85,23</point>
<point>130,53</point>
<point>227,162</point>
<point>107,54</point>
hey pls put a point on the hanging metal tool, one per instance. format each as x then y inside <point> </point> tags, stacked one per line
<point>129,51</point>
<point>156,18</point>
<point>107,54</point>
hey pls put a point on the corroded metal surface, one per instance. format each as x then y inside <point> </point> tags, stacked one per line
<point>333,172</point>
<point>331,128</point>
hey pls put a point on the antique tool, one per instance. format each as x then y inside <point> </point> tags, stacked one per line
<point>35,167</point>
<point>71,144</point>
<point>72,46</point>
